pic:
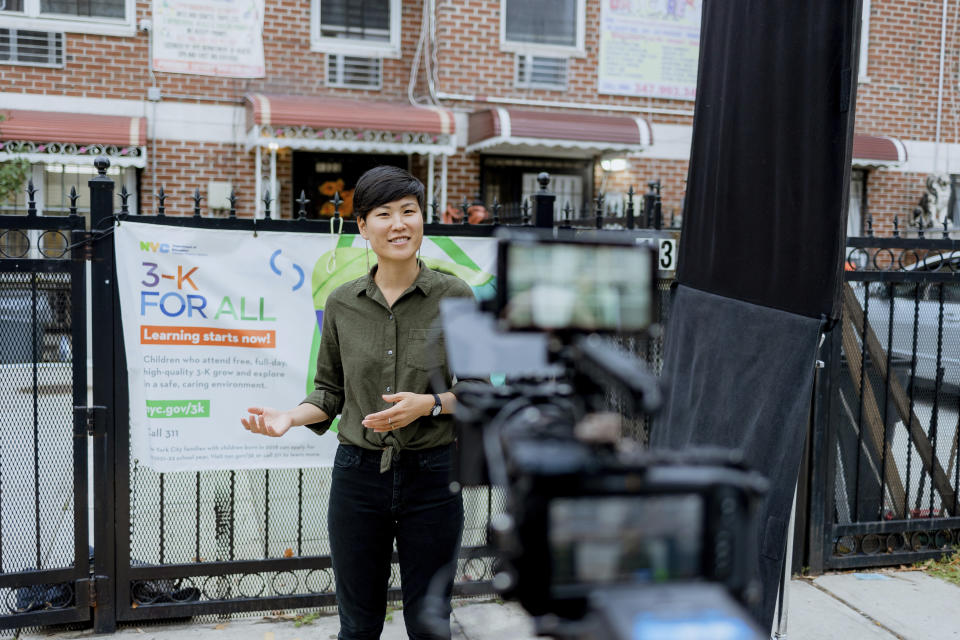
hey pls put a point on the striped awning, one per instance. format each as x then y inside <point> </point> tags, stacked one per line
<point>878,151</point>
<point>63,137</point>
<point>324,123</point>
<point>73,128</point>
<point>517,131</point>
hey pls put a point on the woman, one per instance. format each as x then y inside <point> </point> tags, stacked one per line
<point>391,470</point>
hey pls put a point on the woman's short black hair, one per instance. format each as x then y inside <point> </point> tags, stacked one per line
<point>384,184</point>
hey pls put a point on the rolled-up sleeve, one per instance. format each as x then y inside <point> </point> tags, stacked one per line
<point>327,392</point>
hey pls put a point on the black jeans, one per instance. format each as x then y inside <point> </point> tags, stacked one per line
<point>411,503</point>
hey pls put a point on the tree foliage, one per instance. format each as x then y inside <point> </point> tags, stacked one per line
<point>13,174</point>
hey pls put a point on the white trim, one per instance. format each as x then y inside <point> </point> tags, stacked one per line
<point>363,48</point>
<point>550,143</point>
<point>139,162</point>
<point>31,19</point>
<point>352,146</point>
<point>646,133</point>
<point>558,51</point>
<point>862,64</point>
<point>506,125</point>
<point>591,106</point>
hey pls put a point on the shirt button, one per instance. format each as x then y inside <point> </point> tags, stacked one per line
<point>388,389</point>
<point>389,352</point>
<point>391,316</point>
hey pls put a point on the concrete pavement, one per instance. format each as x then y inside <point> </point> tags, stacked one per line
<point>880,605</point>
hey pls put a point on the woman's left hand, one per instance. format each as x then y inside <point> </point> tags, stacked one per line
<point>407,408</point>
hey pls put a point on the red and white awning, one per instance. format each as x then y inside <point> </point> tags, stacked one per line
<point>878,151</point>
<point>322,123</point>
<point>72,138</point>
<point>521,132</point>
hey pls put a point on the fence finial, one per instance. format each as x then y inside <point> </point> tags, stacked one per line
<point>496,211</point>
<point>266,204</point>
<point>302,201</point>
<point>196,202</point>
<point>124,197</point>
<point>232,199</point>
<point>102,163</point>
<point>162,197</point>
<point>543,179</point>
<point>896,226</point>
<point>31,198</point>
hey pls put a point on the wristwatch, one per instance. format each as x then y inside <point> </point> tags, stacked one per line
<point>437,406</point>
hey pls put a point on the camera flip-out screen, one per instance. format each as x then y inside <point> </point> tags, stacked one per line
<point>576,286</point>
<point>616,539</point>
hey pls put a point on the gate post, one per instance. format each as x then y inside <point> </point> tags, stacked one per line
<point>543,203</point>
<point>823,457</point>
<point>102,292</point>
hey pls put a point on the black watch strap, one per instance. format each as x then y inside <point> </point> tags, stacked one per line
<point>437,406</point>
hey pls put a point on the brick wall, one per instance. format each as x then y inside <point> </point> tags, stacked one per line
<point>899,99</point>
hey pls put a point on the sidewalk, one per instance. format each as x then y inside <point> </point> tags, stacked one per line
<point>852,606</point>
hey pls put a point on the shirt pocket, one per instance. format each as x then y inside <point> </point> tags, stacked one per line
<point>425,349</point>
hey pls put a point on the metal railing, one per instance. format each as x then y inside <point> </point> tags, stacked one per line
<point>885,472</point>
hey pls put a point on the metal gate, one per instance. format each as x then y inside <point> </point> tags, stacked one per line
<point>44,441</point>
<point>884,469</point>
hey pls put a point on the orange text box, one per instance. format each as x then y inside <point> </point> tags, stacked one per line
<point>208,337</point>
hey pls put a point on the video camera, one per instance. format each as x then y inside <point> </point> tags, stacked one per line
<point>598,539</point>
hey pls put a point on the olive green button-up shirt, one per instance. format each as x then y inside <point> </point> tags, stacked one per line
<point>368,349</point>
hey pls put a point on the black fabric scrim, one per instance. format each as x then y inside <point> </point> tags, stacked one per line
<point>740,376</point>
<point>765,210</point>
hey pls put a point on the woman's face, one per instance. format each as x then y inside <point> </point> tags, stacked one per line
<point>394,229</point>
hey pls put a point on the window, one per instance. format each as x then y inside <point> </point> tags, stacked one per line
<point>536,72</point>
<point>550,27</point>
<point>107,17</point>
<point>855,225</point>
<point>353,71</point>
<point>53,182</point>
<point>567,188</point>
<point>356,27</point>
<point>36,48</point>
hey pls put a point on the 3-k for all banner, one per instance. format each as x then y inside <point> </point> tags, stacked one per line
<point>217,321</point>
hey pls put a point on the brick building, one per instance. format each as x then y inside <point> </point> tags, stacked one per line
<point>474,96</point>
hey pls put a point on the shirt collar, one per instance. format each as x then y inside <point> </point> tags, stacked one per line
<point>425,281</point>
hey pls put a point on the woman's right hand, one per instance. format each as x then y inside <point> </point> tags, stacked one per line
<point>267,421</point>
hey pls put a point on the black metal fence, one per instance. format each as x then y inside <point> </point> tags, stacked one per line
<point>884,467</point>
<point>44,558</point>
<point>170,545</point>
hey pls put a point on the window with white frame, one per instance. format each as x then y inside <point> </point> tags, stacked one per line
<point>543,27</point>
<point>356,27</point>
<point>107,17</point>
